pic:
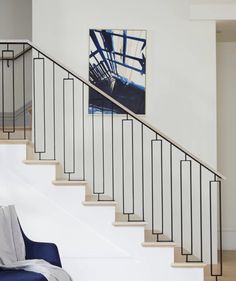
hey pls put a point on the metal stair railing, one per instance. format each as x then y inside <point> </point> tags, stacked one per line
<point>122,156</point>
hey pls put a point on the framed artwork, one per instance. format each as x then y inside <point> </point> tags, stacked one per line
<point>117,66</point>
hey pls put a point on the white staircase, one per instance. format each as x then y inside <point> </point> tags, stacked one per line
<point>93,246</point>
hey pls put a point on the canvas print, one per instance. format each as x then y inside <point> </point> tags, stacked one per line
<point>117,65</point>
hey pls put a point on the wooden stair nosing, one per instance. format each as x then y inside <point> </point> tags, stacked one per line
<point>14,141</point>
<point>124,224</point>
<point>99,203</point>
<point>68,183</point>
<point>158,244</point>
<point>41,162</point>
<point>188,264</point>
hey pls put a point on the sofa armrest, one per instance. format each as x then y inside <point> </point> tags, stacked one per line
<point>46,251</point>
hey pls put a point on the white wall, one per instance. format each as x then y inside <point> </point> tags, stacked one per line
<point>226,83</point>
<point>16,19</point>
<point>181,82</point>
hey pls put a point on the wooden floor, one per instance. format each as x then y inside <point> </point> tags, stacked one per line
<point>229,268</point>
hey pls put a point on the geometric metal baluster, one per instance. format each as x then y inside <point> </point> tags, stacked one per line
<point>8,91</point>
<point>220,271</point>
<point>83,140</point>
<point>125,172</point>
<point>93,150</point>
<point>183,234</point>
<point>39,106</point>
<point>201,212</point>
<point>171,195</point>
<point>103,155</point>
<point>143,186</point>
<point>69,126</point>
<point>112,154</point>
<point>54,110</point>
<point>160,176</point>
<point>24,98</point>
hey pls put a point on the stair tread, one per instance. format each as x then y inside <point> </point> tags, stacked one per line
<point>14,141</point>
<point>131,223</point>
<point>120,217</point>
<point>92,200</point>
<point>188,264</point>
<point>158,244</point>
<point>66,182</point>
<point>99,203</point>
<point>42,162</point>
<point>179,258</point>
<point>94,197</point>
<point>152,238</point>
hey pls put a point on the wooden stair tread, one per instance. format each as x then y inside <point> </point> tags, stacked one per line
<point>14,141</point>
<point>70,183</point>
<point>92,200</point>
<point>99,203</point>
<point>120,217</point>
<point>179,258</point>
<point>16,128</point>
<point>152,238</point>
<point>41,162</point>
<point>122,220</point>
<point>132,223</point>
<point>158,244</point>
<point>189,264</point>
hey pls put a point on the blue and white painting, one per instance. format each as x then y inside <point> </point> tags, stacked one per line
<point>117,66</point>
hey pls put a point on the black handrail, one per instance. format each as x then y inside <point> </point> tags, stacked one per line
<point>122,107</point>
<point>128,111</point>
<point>22,53</point>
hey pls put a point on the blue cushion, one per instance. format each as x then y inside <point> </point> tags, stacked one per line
<point>20,275</point>
<point>42,251</point>
<point>34,250</point>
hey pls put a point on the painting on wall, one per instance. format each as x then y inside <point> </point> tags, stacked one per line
<point>117,66</point>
